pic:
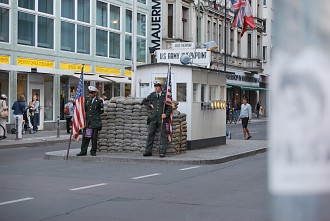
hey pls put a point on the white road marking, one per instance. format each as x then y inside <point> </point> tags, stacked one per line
<point>91,186</point>
<point>189,168</point>
<point>16,201</point>
<point>145,176</point>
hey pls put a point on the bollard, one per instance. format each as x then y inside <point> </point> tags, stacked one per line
<point>58,126</point>
<point>16,127</point>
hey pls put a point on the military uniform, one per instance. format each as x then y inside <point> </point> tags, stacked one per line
<point>155,105</point>
<point>93,109</point>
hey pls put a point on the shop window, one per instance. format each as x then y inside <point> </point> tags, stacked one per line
<point>196,92</point>
<point>21,85</point>
<point>127,90</point>
<point>64,94</point>
<point>4,82</point>
<point>181,89</point>
<point>49,98</point>
<point>116,89</point>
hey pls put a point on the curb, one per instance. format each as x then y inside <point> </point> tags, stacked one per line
<point>166,160</point>
<point>35,143</point>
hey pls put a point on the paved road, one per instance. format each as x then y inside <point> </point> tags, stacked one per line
<point>32,188</point>
<point>258,130</point>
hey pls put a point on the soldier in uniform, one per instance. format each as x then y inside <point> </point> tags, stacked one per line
<point>94,109</point>
<point>155,103</point>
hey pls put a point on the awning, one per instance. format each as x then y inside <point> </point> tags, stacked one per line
<point>251,88</point>
<point>119,79</point>
<point>90,77</point>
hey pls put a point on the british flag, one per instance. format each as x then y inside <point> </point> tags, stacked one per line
<point>78,121</point>
<point>169,101</point>
<point>243,17</point>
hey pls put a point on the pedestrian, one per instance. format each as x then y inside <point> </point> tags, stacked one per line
<point>35,109</point>
<point>68,113</point>
<point>3,114</point>
<point>158,116</point>
<point>93,109</point>
<point>246,116</point>
<point>19,109</point>
<point>258,108</point>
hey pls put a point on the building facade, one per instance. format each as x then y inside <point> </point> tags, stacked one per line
<point>243,54</point>
<point>43,45</point>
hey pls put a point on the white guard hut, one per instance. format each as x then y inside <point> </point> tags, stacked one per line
<point>201,94</point>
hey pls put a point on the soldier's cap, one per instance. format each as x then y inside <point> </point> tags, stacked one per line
<point>157,83</point>
<point>3,96</point>
<point>92,89</point>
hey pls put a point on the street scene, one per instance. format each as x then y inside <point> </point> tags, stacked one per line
<point>34,188</point>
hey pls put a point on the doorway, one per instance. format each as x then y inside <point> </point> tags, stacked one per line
<point>38,90</point>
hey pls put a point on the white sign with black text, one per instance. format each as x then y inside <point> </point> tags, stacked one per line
<point>200,57</point>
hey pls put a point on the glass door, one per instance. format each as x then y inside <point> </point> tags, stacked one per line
<point>38,90</point>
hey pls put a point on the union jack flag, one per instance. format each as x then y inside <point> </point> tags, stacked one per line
<point>243,17</point>
<point>169,101</point>
<point>78,121</point>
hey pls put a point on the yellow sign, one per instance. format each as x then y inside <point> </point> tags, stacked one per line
<point>105,70</point>
<point>4,59</point>
<point>74,67</point>
<point>35,63</point>
<point>128,73</point>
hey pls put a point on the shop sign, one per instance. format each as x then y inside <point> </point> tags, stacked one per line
<point>35,63</point>
<point>128,73</point>
<point>74,67</point>
<point>156,24</point>
<point>200,57</point>
<point>4,59</point>
<point>105,70</point>
<point>235,77</point>
<point>180,45</point>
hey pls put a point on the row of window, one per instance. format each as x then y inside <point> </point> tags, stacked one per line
<point>37,27</point>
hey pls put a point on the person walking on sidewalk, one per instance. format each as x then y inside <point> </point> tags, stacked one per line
<point>3,114</point>
<point>246,116</point>
<point>35,109</point>
<point>94,109</point>
<point>155,103</point>
<point>19,109</point>
<point>258,109</point>
<point>68,113</point>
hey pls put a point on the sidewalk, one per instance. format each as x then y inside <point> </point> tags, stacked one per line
<point>234,149</point>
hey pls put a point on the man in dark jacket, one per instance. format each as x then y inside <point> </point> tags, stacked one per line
<point>157,113</point>
<point>94,109</point>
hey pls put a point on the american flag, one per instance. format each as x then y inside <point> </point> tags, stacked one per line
<point>169,101</point>
<point>243,17</point>
<point>78,121</point>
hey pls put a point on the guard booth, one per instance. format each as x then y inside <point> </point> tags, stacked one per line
<point>201,94</point>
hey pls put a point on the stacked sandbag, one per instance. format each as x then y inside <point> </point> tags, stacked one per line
<point>125,128</point>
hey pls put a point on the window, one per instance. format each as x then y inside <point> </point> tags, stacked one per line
<point>195,92</point>
<point>101,43</point>
<point>4,25</point>
<point>181,89</point>
<point>185,23</point>
<point>249,51</point>
<point>128,47</point>
<point>238,44</point>
<point>101,14</point>
<point>142,1</point>
<point>128,21</point>
<point>170,21</point>
<point>108,34</point>
<point>232,41</point>
<point>259,47</point>
<point>222,92</point>
<point>264,23</point>
<point>141,50</point>
<point>264,53</point>
<point>213,92</point>
<point>34,27</point>
<point>203,92</point>
<point>114,17</point>
<point>220,38</point>
<point>141,24</point>
<point>75,26</point>
<point>265,2</point>
<point>214,31</point>
<point>4,1</point>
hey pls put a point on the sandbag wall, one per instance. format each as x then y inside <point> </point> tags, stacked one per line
<point>125,128</point>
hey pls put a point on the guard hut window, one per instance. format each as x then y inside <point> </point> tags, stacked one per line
<point>203,92</point>
<point>196,89</point>
<point>213,92</point>
<point>181,89</point>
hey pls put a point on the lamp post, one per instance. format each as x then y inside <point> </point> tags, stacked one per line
<point>134,28</point>
<point>225,39</point>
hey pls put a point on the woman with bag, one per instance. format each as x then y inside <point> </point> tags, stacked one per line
<point>3,113</point>
<point>19,109</point>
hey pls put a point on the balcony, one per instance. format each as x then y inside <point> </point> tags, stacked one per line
<point>245,64</point>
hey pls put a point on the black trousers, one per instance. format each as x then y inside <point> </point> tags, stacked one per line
<point>85,141</point>
<point>152,129</point>
<point>68,123</point>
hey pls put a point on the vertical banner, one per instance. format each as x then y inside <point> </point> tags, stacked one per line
<point>299,154</point>
<point>156,24</point>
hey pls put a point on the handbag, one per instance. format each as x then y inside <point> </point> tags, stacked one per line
<point>88,132</point>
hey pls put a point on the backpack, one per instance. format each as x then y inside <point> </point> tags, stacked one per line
<point>66,110</point>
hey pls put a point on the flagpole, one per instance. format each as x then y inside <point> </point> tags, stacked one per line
<point>134,29</point>
<point>69,146</point>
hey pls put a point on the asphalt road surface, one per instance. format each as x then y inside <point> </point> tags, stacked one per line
<point>32,188</point>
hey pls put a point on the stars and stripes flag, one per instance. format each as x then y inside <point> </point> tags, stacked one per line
<point>168,101</point>
<point>79,118</point>
<point>243,17</point>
